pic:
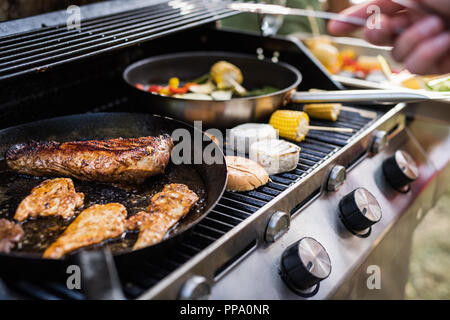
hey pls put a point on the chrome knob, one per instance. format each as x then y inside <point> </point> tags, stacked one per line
<point>359,210</point>
<point>336,178</point>
<point>400,170</point>
<point>195,288</point>
<point>379,141</point>
<point>304,265</point>
<point>278,225</point>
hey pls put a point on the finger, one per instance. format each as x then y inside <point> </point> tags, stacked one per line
<point>388,30</point>
<point>382,36</point>
<point>428,54</point>
<point>423,29</point>
<point>440,6</point>
<point>339,28</point>
<point>444,65</point>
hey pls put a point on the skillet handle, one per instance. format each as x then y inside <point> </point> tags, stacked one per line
<point>99,277</point>
<point>359,96</point>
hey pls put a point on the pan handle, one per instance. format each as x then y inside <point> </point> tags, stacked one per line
<point>99,277</point>
<point>360,96</point>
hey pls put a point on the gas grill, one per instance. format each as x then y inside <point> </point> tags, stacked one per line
<point>236,252</point>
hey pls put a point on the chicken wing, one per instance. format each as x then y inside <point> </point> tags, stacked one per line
<point>115,160</point>
<point>92,226</point>
<point>10,234</point>
<point>165,210</point>
<point>56,197</point>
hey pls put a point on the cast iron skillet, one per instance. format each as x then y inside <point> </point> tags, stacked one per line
<point>208,181</point>
<point>218,114</point>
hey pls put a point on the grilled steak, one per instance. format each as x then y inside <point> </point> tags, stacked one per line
<point>115,160</point>
<point>165,210</point>
<point>94,225</point>
<point>10,233</point>
<point>56,197</point>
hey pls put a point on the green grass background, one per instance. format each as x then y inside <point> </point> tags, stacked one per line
<point>429,275</point>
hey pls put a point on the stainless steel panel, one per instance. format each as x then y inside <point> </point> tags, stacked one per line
<point>387,246</point>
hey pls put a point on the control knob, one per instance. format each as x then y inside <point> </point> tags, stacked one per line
<point>400,170</point>
<point>303,265</point>
<point>359,210</point>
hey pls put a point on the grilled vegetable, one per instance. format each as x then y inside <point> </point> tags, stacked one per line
<point>222,83</point>
<point>193,96</point>
<point>205,88</point>
<point>326,111</point>
<point>223,73</point>
<point>165,91</point>
<point>154,88</point>
<point>327,54</point>
<point>324,51</point>
<point>202,79</point>
<point>140,86</point>
<point>440,84</point>
<point>181,90</point>
<point>293,125</point>
<point>221,95</point>
<point>369,63</point>
<point>174,82</point>
<point>260,92</point>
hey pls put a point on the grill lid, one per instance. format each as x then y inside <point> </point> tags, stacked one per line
<point>40,49</point>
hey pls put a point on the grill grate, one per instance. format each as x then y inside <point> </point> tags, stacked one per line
<point>232,209</point>
<point>39,50</point>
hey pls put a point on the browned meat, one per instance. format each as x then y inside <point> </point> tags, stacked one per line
<point>10,233</point>
<point>56,197</point>
<point>166,208</point>
<point>94,225</point>
<point>116,160</point>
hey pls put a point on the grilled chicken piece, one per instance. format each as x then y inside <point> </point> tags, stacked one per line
<point>115,160</point>
<point>10,234</point>
<point>165,210</point>
<point>92,226</point>
<point>56,197</point>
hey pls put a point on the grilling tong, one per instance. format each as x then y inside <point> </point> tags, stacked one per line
<point>346,96</point>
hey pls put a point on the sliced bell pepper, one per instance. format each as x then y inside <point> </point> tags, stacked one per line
<point>174,82</point>
<point>165,91</point>
<point>183,89</point>
<point>139,86</point>
<point>154,88</point>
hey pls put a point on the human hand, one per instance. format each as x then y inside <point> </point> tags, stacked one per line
<point>420,41</point>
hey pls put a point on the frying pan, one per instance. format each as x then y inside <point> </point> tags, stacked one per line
<point>207,180</point>
<point>257,74</point>
<point>218,114</point>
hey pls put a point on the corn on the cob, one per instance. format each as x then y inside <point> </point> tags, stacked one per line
<point>293,125</point>
<point>326,111</point>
